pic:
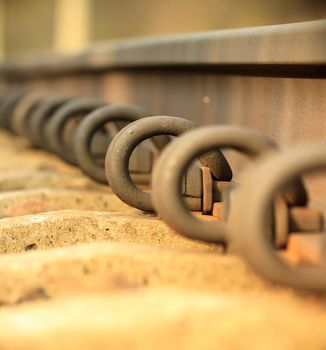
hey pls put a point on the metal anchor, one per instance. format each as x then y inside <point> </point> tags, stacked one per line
<point>118,115</point>
<point>120,150</point>
<point>254,243</point>
<point>180,153</point>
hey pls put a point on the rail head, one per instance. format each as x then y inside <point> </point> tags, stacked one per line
<point>288,45</point>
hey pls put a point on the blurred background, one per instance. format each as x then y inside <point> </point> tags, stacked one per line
<point>68,25</point>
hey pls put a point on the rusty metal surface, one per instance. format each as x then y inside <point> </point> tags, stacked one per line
<point>307,248</point>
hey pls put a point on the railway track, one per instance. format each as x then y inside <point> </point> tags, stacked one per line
<point>128,210</point>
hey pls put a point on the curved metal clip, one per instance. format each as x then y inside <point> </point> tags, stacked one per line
<point>122,146</point>
<point>118,115</point>
<point>175,160</point>
<point>251,230</point>
<point>61,128</point>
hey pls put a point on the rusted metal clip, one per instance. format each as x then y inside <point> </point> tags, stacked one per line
<point>251,229</point>
<point>23,110</point>
<point>180,153</point>
<point>8,102</point>
<point>40,117</point>
<point>122,146</point>
<point>62,127</point>
<point>117,116</point>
